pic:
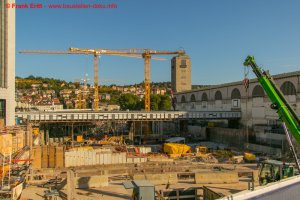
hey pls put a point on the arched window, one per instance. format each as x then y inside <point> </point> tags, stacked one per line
<point>218,95</point>
<point>235,94</point>
<point>182,99</point>
<point>258,91</point>
<point>193,98</point>
<point>288,88</point>
<point>204,97</point>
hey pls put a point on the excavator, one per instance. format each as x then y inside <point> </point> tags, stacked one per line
<point>272,170</point>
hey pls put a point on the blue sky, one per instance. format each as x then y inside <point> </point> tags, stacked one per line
<point>217,35</point>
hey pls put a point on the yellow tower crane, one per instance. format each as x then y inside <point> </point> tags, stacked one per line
<point>137,53</point>
<point>95,53</point>
<point>147,56</point>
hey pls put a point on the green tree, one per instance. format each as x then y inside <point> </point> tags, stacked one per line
<point>129,101</point>
<point>165,103</point>
<point>154,101</point>
<point>114,97</point>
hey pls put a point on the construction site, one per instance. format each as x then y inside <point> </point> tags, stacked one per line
<point>178,154</point>
<point>103,169</point>
<point>235,140</point>
<point>90,154</point>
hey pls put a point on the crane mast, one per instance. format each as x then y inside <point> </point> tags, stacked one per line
<point>146,54</point>
<point>279,103</point>
<point>96,79</point>
<point>136,53</point>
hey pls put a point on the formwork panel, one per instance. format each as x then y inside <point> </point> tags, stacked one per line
<point>51,156</point>
<point>59,158</point>
<point>44,157</point>
<point>37,154</point>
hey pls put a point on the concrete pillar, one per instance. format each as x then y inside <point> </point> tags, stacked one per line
<point>72,135</point>
<point>132,131</point>
<point>47,137</point>
<point>42,137</point>
<point>29,136</point>
<point>70,185</point>
<point>161,128</point>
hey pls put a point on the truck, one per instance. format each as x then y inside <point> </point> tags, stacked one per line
<point>272,170</point>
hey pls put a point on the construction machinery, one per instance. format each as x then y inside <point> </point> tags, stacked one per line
<point>113,140</point>
<point>94,53</point>
<point>146,53</point>
<point>249,157</point>
<point>273,170</point>
<point>137,53</point>
<point>175,148</point>
<point>290,121</point>
<point>201,149</point>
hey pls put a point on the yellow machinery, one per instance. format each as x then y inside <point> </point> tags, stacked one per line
<point>112,140</point>
<point>35,131</point>
<point>175,148</point>
<point>79,138</point>
<point>201,149</point>
<point>249,157</point>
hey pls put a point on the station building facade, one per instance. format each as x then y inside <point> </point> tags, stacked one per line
<point>262,122</point>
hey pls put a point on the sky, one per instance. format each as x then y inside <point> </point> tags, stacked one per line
<point>217,35</point>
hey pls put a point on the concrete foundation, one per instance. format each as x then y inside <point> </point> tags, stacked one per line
<point>91,182</point>
<point>216,178</point>
<point>158,179</point>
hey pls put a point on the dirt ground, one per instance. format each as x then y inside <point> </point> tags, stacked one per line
<point>116,191</point>
<point>113,191</point>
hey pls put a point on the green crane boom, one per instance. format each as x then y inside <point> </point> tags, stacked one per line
<point>284,110</point>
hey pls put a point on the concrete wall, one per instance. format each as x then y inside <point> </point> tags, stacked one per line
<point>95,157</point>
<point>265,149</point>
<point>232,137</point>
<point>216,178</point>
<point>197,131</point>
<point>158,179</point>
<point>91,182</point>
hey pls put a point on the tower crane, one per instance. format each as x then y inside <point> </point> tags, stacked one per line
<point>95,54</point>
<point>144,53</point>
<point>147,56</point>
<point>136,53</point>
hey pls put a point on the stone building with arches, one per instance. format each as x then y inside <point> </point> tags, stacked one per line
<point>254,104</point>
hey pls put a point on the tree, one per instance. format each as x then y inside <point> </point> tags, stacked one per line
<point>129,101</point>
<point>165,103</point>
<point>154,101</point>
<point>114,97</point>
